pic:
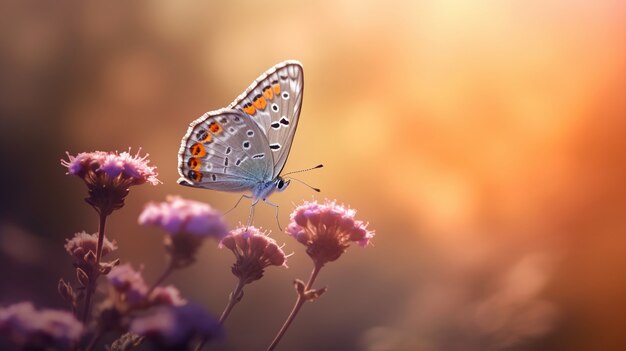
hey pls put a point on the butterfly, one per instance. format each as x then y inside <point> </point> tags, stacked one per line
<point>245,146</point>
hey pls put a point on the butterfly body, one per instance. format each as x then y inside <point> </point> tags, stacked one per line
<point>244,147</point>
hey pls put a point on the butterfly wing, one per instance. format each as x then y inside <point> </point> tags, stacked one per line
<point>224,150</point>
<point>274,101</point>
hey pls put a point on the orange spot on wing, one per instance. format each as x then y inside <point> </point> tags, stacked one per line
<point>195,176</point>
<point>207,138</point>
<point>197,150</point>
<point>260,103</point>
<point>194,163</point>
<point>215,128</point>
<point>276,88</point>
<point>268,93</point>
<point>249,109</point>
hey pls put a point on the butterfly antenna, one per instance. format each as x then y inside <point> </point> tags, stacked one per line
<point>296,179</point>
<point>304,170</point>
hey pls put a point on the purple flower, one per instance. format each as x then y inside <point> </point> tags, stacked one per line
<point>254,251</point>
<point>83,248</point>
<point>109,175</point>
<point>29,329</point>
<point>177,215</point>
<point>327,230</point>
<point>167,295</point>
<point>130,287</point>
<point>131,292</point>
<point>176,328</point>
<point>187,222</point>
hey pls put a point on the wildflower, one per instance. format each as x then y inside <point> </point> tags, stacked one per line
<point>29,329</point>
<point>131,291</point>
<point>108,176</point>
<point>327,230</point>
<point>129,285</point>
<point>254,251</point>
<point>83,248</point>
<point>176,328</point>
<point>187,222</point>
<point>168,295</point>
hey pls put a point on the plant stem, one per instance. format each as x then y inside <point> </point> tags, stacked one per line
<point>93,341</point>
<point>235,297</point>
<point>168,270</point>
<point>296,308</point>
<point>96,271</point>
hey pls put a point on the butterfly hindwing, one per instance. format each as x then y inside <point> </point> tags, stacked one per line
<point>224,150</point>
<point>274,101</point>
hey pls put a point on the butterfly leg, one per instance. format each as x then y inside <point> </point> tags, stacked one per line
<point>251,215</point>
<point>237,204</point>
<point>275,206</point>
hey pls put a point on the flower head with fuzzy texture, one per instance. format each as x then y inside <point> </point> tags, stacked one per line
<point>187,222</point>
<point>254,251</point>
<point>30,329</point>
<point>176,328</point>
<point>131,291</point>
<point>129,285</point>
<point>108,176</point>
<point>327,230</point>
<point>83,248</point>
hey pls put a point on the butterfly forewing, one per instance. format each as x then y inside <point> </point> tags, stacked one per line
<point>274,101</point>
<point>224,150</point>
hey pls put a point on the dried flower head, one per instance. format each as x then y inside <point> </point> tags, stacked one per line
<point>254,251</point>
<point>83,248</point>
<point>126,342</point>
<point>176,328</point>
<point>109,176</point>
<point>29,329</point>
<point>327,230</point>
<point>187,222</point>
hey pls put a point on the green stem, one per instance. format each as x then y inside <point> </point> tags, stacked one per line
<point>296,308</point>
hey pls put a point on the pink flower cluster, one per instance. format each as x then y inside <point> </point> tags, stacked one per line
<point>176,328</point>
<point>132,167</point>
<point>187,222</point>
<point>132,291</point>
<point>83,248</point>
<point>327,230</point>
<point>177,215</point>
<point>254,251</point>
<point>30,329</point>
<point>108,176</point>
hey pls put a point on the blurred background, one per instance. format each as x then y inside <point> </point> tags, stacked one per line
<point>483,141</point>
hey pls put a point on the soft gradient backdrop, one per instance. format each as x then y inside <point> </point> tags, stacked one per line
<point>483,140</point>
